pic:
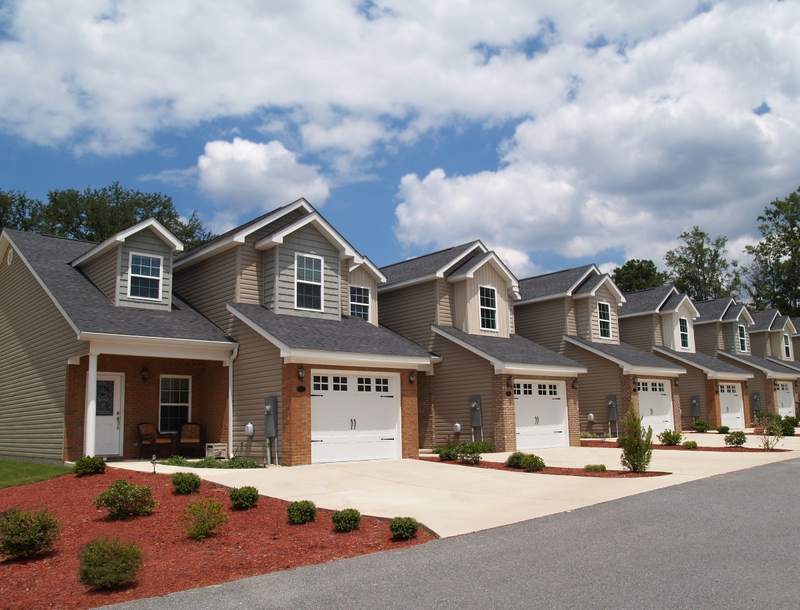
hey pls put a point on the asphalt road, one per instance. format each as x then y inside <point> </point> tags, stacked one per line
<point>731,541</point>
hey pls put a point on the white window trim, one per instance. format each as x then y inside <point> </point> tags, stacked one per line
<point>189,413</point>
<point>599,320</point>
<point>369,301</point>
<point>321,282</point>
<point>496,328</point>
<point>787,347</point>
<point>741,337</point>
<point>681,334</point>
<point>160,276</point>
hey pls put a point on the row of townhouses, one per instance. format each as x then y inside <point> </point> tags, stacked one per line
<point>285,343</point>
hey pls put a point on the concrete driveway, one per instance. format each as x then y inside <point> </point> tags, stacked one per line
<point>452,499</point>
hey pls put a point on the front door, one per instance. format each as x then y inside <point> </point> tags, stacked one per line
<point>108,414</point>
<point>731,406</point>
<point>783,390</point>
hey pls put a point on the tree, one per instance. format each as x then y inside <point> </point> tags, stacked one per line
<point>636,442</point>
<point>700,266</point>
<point>638,274</point>
<point>774,275</point>
<point>18,211</point>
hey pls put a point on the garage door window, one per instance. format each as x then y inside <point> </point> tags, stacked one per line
<point>642,386</point>
<point>657,386</point>
<point>364,384</point>
<point>320,383</point>
<point>339,384</point>
<point>381,384</point>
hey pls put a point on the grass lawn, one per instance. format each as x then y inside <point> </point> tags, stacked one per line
<point>20,473</point>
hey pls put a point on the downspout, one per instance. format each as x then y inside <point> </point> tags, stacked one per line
<point>231,359</point>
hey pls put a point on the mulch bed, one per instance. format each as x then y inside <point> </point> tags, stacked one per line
<point>250,543</point>
<point>572,472</point>
<point>610,445</point>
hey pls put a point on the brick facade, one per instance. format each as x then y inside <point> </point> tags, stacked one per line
<point>504,413</point>
<point>631,397</point>
<point>573,413</point>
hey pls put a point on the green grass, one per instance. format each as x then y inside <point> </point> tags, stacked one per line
<point>21,473</point>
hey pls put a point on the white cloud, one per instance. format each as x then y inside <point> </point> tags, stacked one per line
<point>607,267</point>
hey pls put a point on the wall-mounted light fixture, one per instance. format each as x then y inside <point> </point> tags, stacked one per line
<point>249,429</point>
<point>575,383</point>
<point>301,372</point>
<point>412,376</point>
<point>590,417</point>
<point>145,375</point>
<point>456,427</point>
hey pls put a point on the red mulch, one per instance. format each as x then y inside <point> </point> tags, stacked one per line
<point>251,542</point>
<point>610,445</point>
<point>572,472</point>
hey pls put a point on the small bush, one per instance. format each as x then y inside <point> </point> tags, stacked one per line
<point>208,462</point>
<point>788,424</point>
<point>595,468</point>
<point>24,534</point>
<point>124,500</point>
<point>243,498</point>
<point>689,445</point>
<point>175,460</point>
<point>735,439</point>
<point>670,437</point>
<point>772,429</point>
<point>468,455</point>
<point>109,564</point>
<point>301,512</point>
<point>723,429</point>
<point>448,454</point>
<point>532,463</point>
<point>700,426</point>
<point>203,518</point>
<point>515,459</point>
<point>89,465</point>
<point>185,482</point>
<point>477,446</point>
<point>346,520</point>
<point>636,443</point>
<point>403,528</point>
<point>242,462</point>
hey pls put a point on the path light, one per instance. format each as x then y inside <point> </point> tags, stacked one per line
<point>154,461</point>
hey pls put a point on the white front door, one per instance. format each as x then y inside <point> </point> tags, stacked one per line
<point>784,398</point>
<point>354,416</point>
<point>655,404</point>
<point>541,413</point>
<point>731,406</point>
<point>108,414</point>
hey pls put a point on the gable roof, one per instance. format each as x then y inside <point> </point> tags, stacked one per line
<point>592,284</point>
<point>764,320</point>
<point>772,369</point>
<point>88,310</point>
<point>632,360</point>
<point>714,368</point>
<point>661,299</point>
<point>555,284</point>
<point>796,323</point>
<point>468,268</point>
<point>429,266</point>
<point>151,223</point>
<point>724,309</point>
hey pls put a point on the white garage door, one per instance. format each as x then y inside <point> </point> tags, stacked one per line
<point>354,416</point>
<point>541,411</point>
<point>655,405</point>
<point>731,406</point>
<point>785,399</point>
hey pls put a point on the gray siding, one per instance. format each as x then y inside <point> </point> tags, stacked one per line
<point>146,242</point>
<point>545,323</point>
<point>410,312</point>
<point>103,271</point>
<point>730,337</point>
<point>603,379</point>
<point>250,287</point>
<point>270,263</point>
<point>708,338</point>
<point>642,331</point>
<point>35,344</point>
<point>209,285</point>
<point>344,294</point>
<point>760,345</point>
<point>693,383</point>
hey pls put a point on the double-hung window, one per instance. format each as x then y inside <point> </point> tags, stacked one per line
<point>742,338</point>
<point>359,302</point>
<point>787,347</point>
<point>175,405</point>
<point>488,298</point>
<point>144,277</point>
<point>683,327</point>
<point>308,282</point>
<point>604,318</point>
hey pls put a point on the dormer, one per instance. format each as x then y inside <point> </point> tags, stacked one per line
<point>659,317</point>
<point>133,268</point>
<point>771,335</point>
<point>723,325</point>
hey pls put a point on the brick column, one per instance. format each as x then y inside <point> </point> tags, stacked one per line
<point>296,425</point>
<point>676,405</point>
<point>573,414</point>
<point>409,410</point>
<point>504,415</point>
<point>712,404</point>
<point>628,398</point>
<point>748,413</point>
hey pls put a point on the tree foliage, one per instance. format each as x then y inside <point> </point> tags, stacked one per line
<point>700,266</point>
<point>638,274</point>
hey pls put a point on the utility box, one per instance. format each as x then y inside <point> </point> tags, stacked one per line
<point>612,407</point>
<point>695,406</point>
<point>475,415</point>
<point>271,417</point>
<point>217,450</point>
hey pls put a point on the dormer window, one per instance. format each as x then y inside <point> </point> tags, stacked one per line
<point>308,282</point>
<point>145,275</point>
<point>683,328</point>
<point>359,302</point>
<point>488,298</point>
<point>742,338</point>
<point>604,317</point>
<point>787,347</point>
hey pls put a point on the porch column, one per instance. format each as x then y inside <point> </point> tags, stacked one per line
<point>91,408</point>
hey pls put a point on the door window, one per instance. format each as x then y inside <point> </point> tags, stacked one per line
<point>105,397</point>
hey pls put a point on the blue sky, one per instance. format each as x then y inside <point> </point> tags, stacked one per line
<point>559,133</point>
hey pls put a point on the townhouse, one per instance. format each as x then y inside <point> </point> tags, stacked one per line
<point>488,382</point>
<point>713,390</point>
<point>575,313</point>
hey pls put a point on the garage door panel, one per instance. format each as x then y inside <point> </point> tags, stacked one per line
<point>541,414</point>
<point>785,399</point>
<point>731,405</point>
<point>655,404</point>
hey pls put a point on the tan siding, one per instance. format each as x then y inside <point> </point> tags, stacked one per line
<point>640,331</point>
<point>761,386</point>
<point>605,295</point>
<point>360,277</point>
<point>544,323</point>
<point>460,299</point>
<point>583,317</point>
<point>35,344</point>
<point>444,309</point>
<point>512,328</point>
<point>250,287</point>
<point>209,285</point>
<point>603,379</point>
<point>759,345</point>
<point>486,276</point>
<point>410,311</point>
<point>103,271</point>
<point>659,334</point>
<point>708,338</point>
<point>693,383</point>
<point>145,242</point>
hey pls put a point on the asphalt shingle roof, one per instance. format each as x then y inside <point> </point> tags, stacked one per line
<point>89,308</point>
<point>422,266</point>
<point>592,282</point>
<point>705,361</point>
<point>796,322</point>
<point>673,301</point>
<point>713,310</point>
<point>345,335</point>
<point>644,301</point>
<point>764,363</point>
<point>470,260</point>
<point>765,320</point>
<point>551,284</point>
<point>628,354</point>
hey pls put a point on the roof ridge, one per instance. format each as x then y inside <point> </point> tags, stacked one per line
<point>414,258</point>
<point>51,236</point>
<point>534,277</point>
<point>671,285</point>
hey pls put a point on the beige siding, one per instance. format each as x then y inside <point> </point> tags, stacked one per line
<point>486,276</point>
<point>410,311</point>
<point>103,271</point>
<point>209,285</point>
<point>145,242</point>
<point>256,375</point>
<point>760,345</point>
<point>444,302</point>
<point>776,345</point>
<point>360,277</point>
<point>604,379</point>
<point>693,383</point>
<point>708,338</point>
<point>640,331</point>
<point>607,296</point>
<point>460,299</point>
<point>250,287</point>
<point>35,344</point>
<point>730,337</point>
<point>546,322</point>
<point>760,385</point>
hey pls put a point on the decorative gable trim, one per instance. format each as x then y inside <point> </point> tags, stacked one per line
<point>151,223</point>
<point>593,292</point>
<point>680,304</point>
<point>370,266</point>
<point>497,263</point>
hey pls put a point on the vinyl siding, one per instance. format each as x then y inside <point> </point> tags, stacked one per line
<point>603,379</point>
<point>344,295</point>
<point>605,295</point>
<point>35,344</point>
<point>410,312</point>
<point>760,385</point>
<point>250,287</point>
<point>145,242</point>
<point>640,331</point>
<point>103,271</point>
<point>730,338</point>
<point>460,299</point>
<point>487,276</point>
<point>444,303</point>
<point>693,383</point>
<point>708,338</point>
<point>760,345</point>
<point>209,285</point>
<point>360,277</point>
<point>546,322</point>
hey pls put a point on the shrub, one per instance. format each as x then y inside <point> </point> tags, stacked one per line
<point>89,465</point>
<point>124,500</point>
<point>448,454</point>
<point>176,460</point>
<point>588,435</point>
<point>735,439</point>
<point>243,498</point>
<point>788,425</point>
<point>772,429</point>
<point>208,462</point>
<point>478,446</point>
<point>700,426</point>
<point>24,534</point>
<point>636,443</point>
<point>185,482</point>
<point>242,462</point>
<point>689,445</point>
<point>532,463</point>
<point>723,429</point>
<point>346,520</point>
<point>468,455</point>
<point>595,468</point>
<point>515,459</point>
<point>670,437</point>
<point>109,563</point>
<point>203,518</point>
<point>301,512</point>
<point>403,528</point>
